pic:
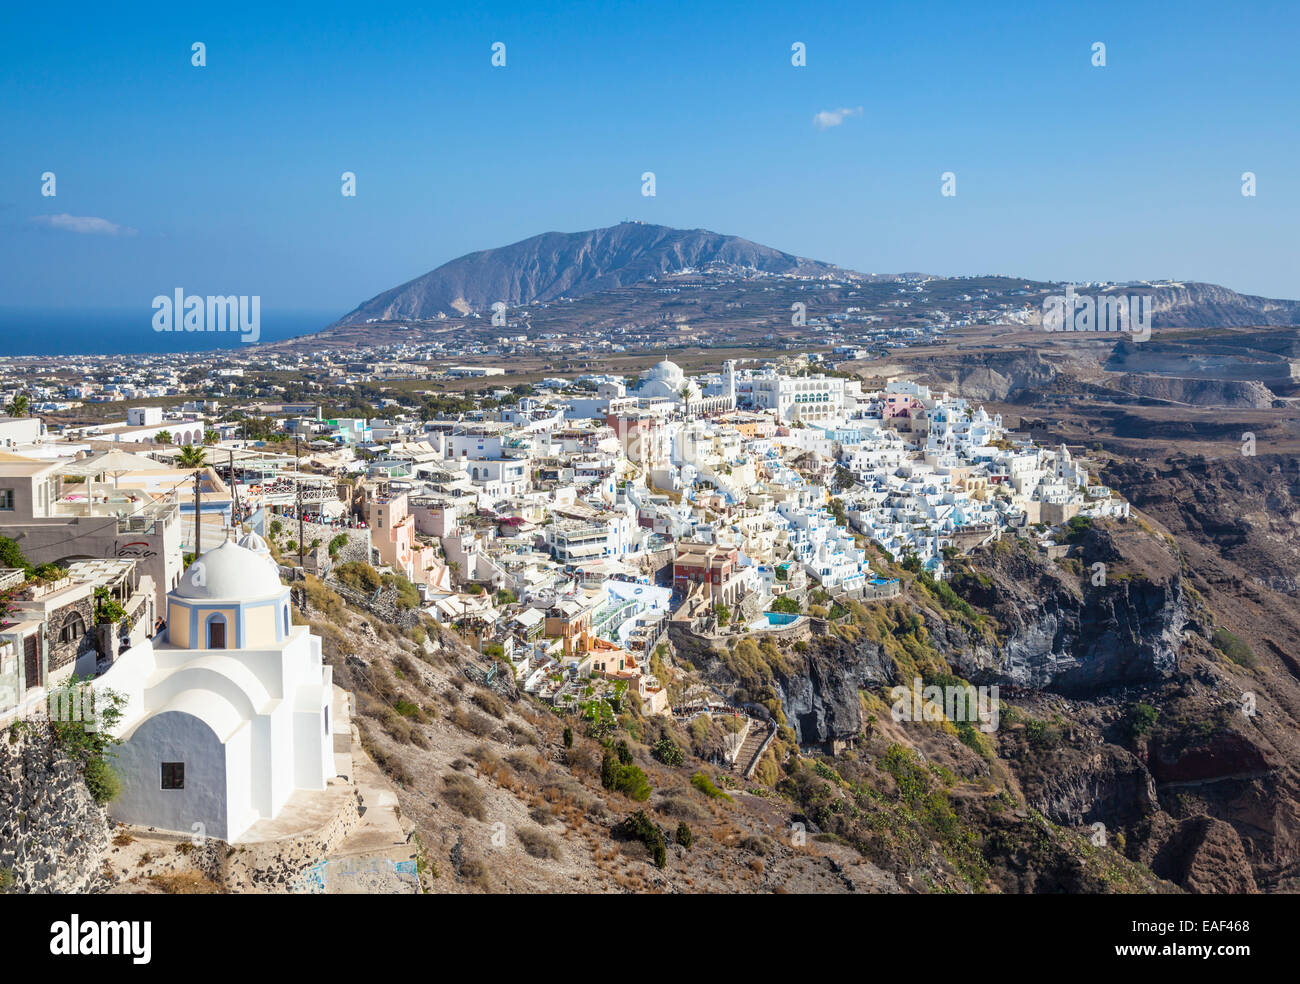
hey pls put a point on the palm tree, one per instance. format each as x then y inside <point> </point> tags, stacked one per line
<point>191,457</point>
<point>19,406</point>
<point>163,437</point>
<point>211,436</point>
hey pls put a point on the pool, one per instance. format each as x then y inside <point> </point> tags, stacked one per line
<point>780,618</point>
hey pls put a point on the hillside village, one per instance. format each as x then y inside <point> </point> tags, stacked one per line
<point>574,538</point>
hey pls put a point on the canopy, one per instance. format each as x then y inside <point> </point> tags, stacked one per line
<point>115,463</point>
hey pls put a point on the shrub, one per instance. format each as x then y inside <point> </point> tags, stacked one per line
<point>185,883</point>
<point>1234,648</point>
<point>568,737</point>
<point>324,600</point>
<point>490,702</point>
<point>103,781</point>
<point>408,709</point>
<point>705,785</point>
<point>408,596</point>
<point>666,751</point>
<point>475,871</point>
<point>1076,529</point>
<point>539,844</point>
<point>639,827</point>
<point>627,779</point>
<point>684,836</point>
<point>786,604</point>
<point>359,575</point>
<point>461,793</point>
<point>476,724</point>
<point>1139,719</point>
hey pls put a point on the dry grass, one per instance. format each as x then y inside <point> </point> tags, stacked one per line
<point>539,844</point>
<point>474,723</point>
<point>490,702</point>
<point>462,793</point>
<point>185,883</point>
<point>475,872</point>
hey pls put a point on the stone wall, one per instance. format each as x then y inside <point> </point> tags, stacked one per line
<point>53,835</point>
<point>63,654</point>
<point>357,547</point>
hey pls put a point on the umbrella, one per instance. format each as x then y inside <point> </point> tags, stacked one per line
<point>115,463</point>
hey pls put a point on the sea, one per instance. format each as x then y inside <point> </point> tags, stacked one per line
<point>42,331</point>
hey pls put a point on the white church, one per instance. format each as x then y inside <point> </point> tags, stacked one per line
<point>230,715</point>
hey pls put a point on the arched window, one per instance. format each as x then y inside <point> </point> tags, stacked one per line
<point>216,632</point>
<point>73,628</point>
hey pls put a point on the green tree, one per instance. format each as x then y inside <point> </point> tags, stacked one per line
<point>163,437</point>
<point>684,836</point>
<point>191,457</point>
<point>211,436</point>
<point>18,406</point>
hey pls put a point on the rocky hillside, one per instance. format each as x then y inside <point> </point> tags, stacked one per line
<point>1144,737</point>
<point>573,264</point>
<point>1196,305</point>
<point>506,795</point>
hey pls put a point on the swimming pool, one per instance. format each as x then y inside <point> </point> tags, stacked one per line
<point>780,618</point>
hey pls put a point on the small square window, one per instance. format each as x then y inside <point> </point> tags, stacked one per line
<point>173,775</point>
<point>7,500</point>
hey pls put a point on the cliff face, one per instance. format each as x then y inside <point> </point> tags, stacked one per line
<point>53,835</point>
<point>1057,631</point>
<point>988,375</point>
<point>820,696</point>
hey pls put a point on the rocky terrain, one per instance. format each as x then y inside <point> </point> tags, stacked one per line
<point>1145,737</point>
<point>1123,761</point>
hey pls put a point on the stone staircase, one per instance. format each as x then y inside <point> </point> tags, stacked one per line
<point>753,744</point>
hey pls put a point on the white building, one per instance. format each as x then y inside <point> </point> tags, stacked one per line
<point>229,716</point>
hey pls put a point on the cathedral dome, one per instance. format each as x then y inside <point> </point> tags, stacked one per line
<point>230,572</point>
<point>666,372</point>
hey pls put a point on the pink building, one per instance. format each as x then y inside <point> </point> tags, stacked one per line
<point>392,533</point>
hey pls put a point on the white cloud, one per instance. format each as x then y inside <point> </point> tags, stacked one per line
<point>828,118</point>
<point>84,224</point>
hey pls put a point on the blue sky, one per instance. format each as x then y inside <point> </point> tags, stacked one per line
<point>226,179</point>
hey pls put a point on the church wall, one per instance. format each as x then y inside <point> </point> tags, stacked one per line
<point>173,736</point>
<point>259,766</point>
<point>259,626</point>
<point>281,754</point>
<point>308,738</point>
<point>239,791</point>
<point>178,625</point>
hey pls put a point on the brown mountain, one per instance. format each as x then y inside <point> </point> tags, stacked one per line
<point>573,264</point>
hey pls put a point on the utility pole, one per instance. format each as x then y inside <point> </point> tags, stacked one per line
<point>198,517</point>
<point>234,486</point>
